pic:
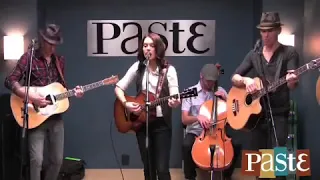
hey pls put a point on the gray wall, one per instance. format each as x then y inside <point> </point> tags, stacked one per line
<point>16,16</point>
<point>299,17</point>
<point>309,107</point>
<point>88,119</point>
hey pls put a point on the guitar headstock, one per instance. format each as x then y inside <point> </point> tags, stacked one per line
<point>314,64</point>
<point>111,80</point>
<point>191,92</point>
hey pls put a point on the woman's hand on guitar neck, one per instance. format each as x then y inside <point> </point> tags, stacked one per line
<point>173,102</point>
<point>133,107</point>
<point>251,86</point>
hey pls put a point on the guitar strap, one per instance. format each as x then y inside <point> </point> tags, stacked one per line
<point>59,69</point>
<point>162,75</point>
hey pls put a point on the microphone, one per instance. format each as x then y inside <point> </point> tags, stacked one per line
<point>257,46</point>
<point>34,40</point>
<point>33,43</point>
<point>148,55</point>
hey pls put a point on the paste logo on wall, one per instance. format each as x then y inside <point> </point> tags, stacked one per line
<point>122,37</point>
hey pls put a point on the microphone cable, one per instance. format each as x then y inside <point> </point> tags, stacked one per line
<point>114,150</point>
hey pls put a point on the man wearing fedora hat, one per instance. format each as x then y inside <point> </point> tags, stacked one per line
<point>47,67</point>
<point>270,61</point>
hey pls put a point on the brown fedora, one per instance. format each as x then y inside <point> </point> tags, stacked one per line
<point>269,20</point>
<point>52,34</point>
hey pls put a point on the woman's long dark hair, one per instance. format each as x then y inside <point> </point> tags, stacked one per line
<point>159,49</point>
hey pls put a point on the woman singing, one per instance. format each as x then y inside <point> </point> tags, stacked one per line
<point>160,130</point>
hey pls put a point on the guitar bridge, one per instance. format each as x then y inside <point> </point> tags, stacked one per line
<point>235,107</point>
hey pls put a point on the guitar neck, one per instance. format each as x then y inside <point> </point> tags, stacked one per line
<point>162,100</point>
<point>85,88</point>
<point>281,81</point>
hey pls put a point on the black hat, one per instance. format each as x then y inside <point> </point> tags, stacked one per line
<point>269,20</point>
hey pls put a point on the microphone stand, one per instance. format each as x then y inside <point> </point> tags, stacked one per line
<point>267,106</point>
<point>25,160</point>
<point>147,114</point>
<point>213,147</point>
<point>215,117</point>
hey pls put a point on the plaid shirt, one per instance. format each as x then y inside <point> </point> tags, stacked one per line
<point>42,73</point>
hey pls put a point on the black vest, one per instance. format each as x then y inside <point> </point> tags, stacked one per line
<point>166,109</point>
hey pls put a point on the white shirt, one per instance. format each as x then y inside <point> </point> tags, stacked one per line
<point>130,77</point>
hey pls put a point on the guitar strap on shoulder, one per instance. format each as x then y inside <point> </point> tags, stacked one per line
<point>162,75</point>
<point>279,65</point>
<point>59,69</point>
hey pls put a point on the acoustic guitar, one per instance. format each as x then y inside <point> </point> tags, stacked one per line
<point>55,93</point>
<point>244,109</point>
<point>126,121</point>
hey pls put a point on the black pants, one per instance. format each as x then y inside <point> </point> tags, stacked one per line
<point>190,166</point>
<point>262,137</point>
<point>159,150</point>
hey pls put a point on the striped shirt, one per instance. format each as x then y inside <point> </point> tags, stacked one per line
<point>193,104</point>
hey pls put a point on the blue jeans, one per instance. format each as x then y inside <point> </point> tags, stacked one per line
<point>52,130</point>
<point>159,150</point>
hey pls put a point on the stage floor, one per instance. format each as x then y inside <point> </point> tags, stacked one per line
<point>137,174</point>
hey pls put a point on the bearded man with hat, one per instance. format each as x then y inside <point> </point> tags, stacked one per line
<point>47,68</point>
<point>270,60</point>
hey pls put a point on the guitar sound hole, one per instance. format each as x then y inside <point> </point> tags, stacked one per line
<point>249,99</point>
<point>48,98</point>
<point>133,117</point>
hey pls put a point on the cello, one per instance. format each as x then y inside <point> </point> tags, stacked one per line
<point>213,150</point>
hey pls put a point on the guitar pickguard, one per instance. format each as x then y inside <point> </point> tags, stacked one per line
<point>47,110</point>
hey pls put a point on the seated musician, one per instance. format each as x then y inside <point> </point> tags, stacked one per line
<point>195,123</point>
<point>160,132</point>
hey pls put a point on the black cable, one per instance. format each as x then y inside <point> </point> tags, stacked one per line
<point>114,150</point>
